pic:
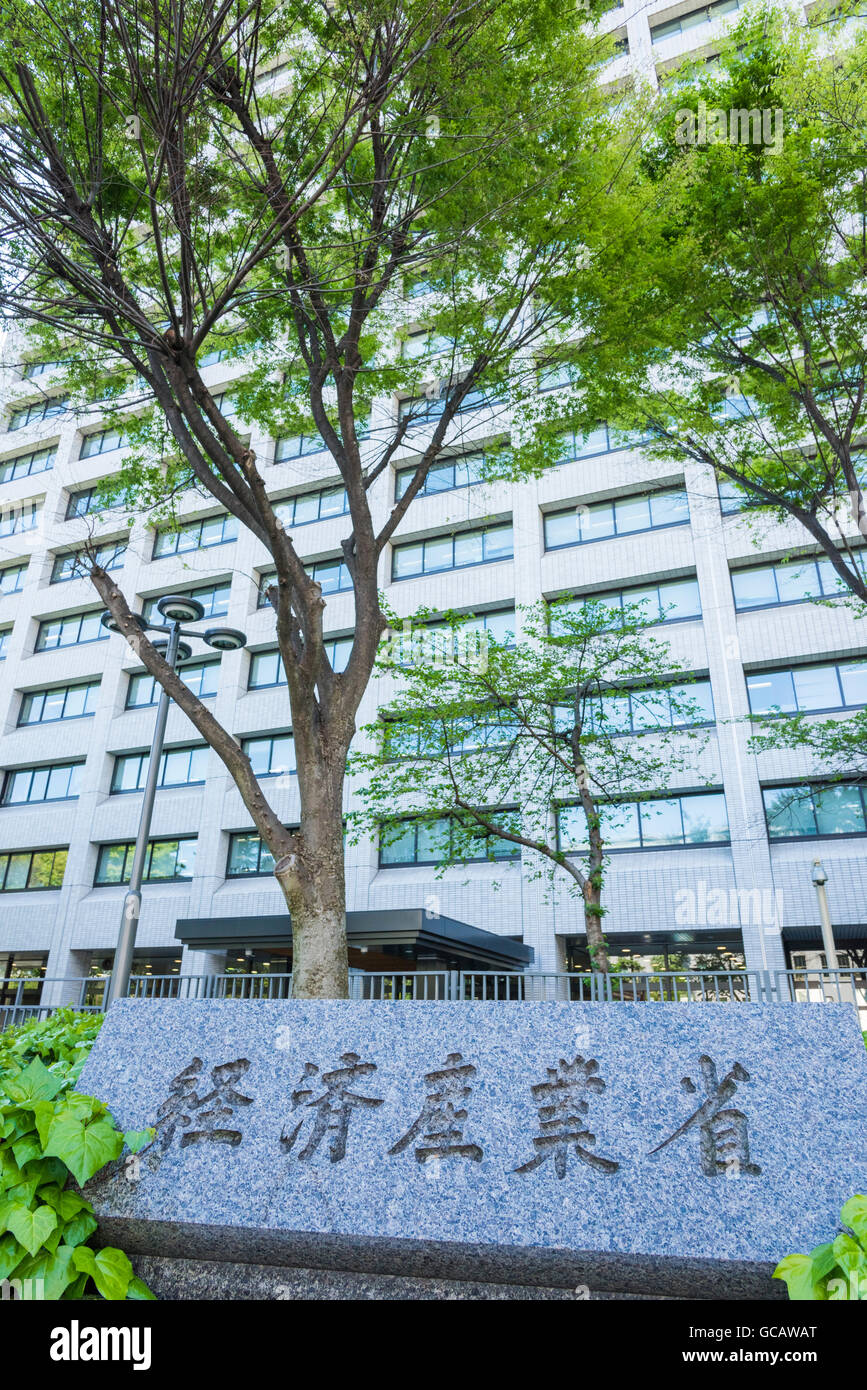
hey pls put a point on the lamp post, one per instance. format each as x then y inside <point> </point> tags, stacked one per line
<point>820,878</point>
<point>176,609</point>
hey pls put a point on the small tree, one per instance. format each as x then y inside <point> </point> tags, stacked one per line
<point>162,204</point>
<point>750,355</point>
<point>529,744</point>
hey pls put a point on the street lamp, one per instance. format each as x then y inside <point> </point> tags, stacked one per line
<point>176,609</point>
<point>820,878</point>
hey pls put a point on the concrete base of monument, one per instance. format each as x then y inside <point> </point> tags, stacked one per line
<point>463,1150</point>
<point>196,1261</point>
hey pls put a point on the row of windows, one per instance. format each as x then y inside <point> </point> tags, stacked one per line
<point>39,410</point>
<point>75,564</point>
<point>452,552</point>
<point>695,19</point>
<point>768,586</point>
<point>671,707</point>
<point>622,516</point>
<point>266,668</point>
<point>444,476</point>
<point>659,603</point>
<point>23,465</point>
<point>656,823</point>
<point>179,767</point>
<point>101,442</point>
<point>21,517</point>
<point>195,535</point>
<point>202,677</point>
<point>803,689</point>
<point>12,578</point>
<point>64,702</point>
<point>25,785</point>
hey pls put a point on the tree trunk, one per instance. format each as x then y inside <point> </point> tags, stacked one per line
<point>593,911</point>
<point>313,885</point>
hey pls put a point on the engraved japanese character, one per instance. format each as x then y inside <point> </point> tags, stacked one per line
<point>562,1106</point>
<point>723,1138</point>
<point>331,1112</point>
<point>440,1124</point>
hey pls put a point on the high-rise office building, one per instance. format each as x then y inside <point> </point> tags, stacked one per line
<point>722,869</point>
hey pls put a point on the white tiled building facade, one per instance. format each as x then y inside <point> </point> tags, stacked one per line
<point>660,899</point>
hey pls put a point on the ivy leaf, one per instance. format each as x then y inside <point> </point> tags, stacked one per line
<point>138,1289</point>
<point>850,1256</point>
<point>109,1269</point>
<point>136,1139</point>
<point>34,1083</point>
<point>854,1214</point>
<point>56,1270</point>
<point>43,1113</point>
<point>27,1148</point>
<point>824,1260</point>
<point>31,1228</point>
<point>64,1201</point>
<point>80,1228</point>
<point>84,1148</point>
<point>11,1255</point>
<point>799,1276</point>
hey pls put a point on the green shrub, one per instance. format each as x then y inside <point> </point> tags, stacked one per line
<point>49,1135</point>
<point>837,1270</point>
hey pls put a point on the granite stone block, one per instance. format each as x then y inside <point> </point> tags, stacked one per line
<point>657,1148</point>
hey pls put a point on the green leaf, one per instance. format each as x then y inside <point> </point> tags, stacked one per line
<point>849,1254</point>
<point>31,1228</point>
<point>44,1112</point>
<point>138,1289</point>
<point>11,1255</point>
<point>136,1139</point>
<point>64,1201</point>
<point>799,1276</point>
<point>80,1228</point>
<point>84,1148</point>
<point>27,1148</point>
<point>854,1214</point>
<point>109,1269</point>
<point>56,1269</point>
<point>824,1260</point>
<point>35,1083</point>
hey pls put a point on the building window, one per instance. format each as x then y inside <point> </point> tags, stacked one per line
<point>101,442</point>
<point>201,677</point>
<point>12,579</point>
<point>39,410</point>
<point>297,446</point>
<point>71,631</point>
<point>670,707</point>
<point>332,575</point>
<point>415,841</point>
<point>213,597</point>
<point>273,756</point>
<point>167,861</point>
<point>770,586</point>
<point>5,634</point>
<point>420,410</point>
<point>732,498</point>
<point>35,369</point>
<point>807,689</point>
<point>444,476</point>
<point>248,854</point>
<point>179,767</point>
<point>75,563</point>
<point>455,552</point>
<point>23,465</point>
<point>25,785</point>
<point>217,355</point>
<point>696,19</point>
<point>553,376</point>
<point>312,506</point>
<point>226,404</point>
<point>196,535</point>
<point>266,668</point>
<point>572,445</point>
<point>620,517</point>
<point>19,517</point>
<point>655,823</point>
<point>61,702</point>
<point>439,642</point>
<point>794,813</point>
<point>32,870</point>
<point>82,502</point>
<point>671,602</point>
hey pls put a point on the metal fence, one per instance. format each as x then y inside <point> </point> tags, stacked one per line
<point>23,999</point>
